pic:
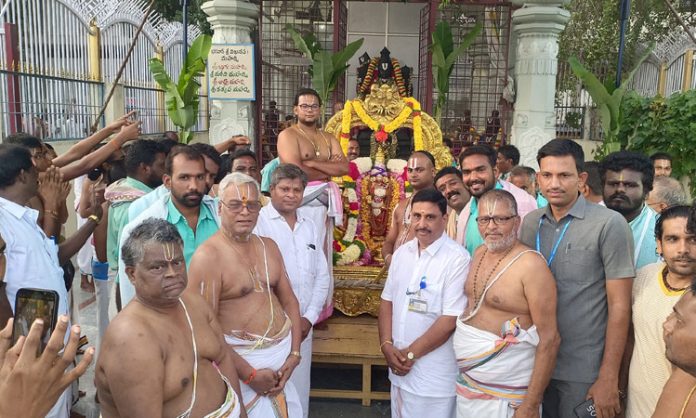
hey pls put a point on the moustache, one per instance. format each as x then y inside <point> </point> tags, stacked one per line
<point>451,194</point>
<point>620,196</point>
<point>426,230</point>
<point>194,194</point>
<point>684,259</point>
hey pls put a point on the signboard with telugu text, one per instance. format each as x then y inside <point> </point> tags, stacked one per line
<point>231,72</point>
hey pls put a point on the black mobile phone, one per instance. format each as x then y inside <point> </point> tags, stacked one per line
<point>31,304</point>
<point>585,409</point>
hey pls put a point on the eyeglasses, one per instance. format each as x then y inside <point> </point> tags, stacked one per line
<point>235,206</point>
<point>306,107</point>
<point>498,220</point>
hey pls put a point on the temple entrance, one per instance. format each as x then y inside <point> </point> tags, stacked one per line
<point>477,105</point>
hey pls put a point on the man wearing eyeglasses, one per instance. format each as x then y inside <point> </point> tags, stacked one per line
<point>253,299</point>
<point>186,206</point>
<point>304,261</point>
<point>320,156</point>
<point>507,337</point>
<point>480,175</point>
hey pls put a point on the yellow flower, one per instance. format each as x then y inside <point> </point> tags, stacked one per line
<point>345,127</point>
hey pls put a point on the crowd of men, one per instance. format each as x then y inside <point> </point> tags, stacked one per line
<point>564,292</point>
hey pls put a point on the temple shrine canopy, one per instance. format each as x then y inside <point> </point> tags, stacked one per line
<point>476,105</point>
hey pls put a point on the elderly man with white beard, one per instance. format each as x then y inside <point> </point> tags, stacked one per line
<point>507,339</point>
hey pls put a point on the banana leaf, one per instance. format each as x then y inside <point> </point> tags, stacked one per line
<point>299,41</point>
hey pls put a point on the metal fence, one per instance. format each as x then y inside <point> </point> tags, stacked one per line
<point>52,72</point>
<point>49,107</point>
<point>479,75</point>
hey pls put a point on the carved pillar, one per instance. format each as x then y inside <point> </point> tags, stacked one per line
<point>537,26</point>
<point>232,22</point>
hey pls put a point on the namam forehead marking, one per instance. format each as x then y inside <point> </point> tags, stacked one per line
<point>413,163</point>
<point>168,250</point>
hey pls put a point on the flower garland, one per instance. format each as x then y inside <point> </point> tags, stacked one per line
<point>369,76</point>
<point>382,132</point>
<point>398,77</point>
<point>345,126</point>
<point>348,249</point>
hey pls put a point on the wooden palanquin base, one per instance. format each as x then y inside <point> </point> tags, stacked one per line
<point>357,290</point>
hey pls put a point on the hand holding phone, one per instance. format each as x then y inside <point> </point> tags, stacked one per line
<point>32,304</point>
<point>31,385</point>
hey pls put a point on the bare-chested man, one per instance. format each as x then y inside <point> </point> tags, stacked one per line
<point>421,174</point>
<point>511,298</point>
<point>251,295</point>
<point>164,355</point>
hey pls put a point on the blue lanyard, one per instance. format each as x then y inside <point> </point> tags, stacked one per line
<point>558,242</point>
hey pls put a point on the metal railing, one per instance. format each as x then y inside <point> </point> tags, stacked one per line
<point>52,108</point>
<point>570,122</point>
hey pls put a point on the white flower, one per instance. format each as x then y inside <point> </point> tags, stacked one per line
<point>396,166</point>
<point>364,164</point>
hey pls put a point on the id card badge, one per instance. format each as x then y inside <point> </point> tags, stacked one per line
<point>416,304</point>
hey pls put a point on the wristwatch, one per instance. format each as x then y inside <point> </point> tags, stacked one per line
<point>94,218</point>
<point>410,356</point>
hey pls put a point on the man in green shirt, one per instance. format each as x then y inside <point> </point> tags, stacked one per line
<point>144,170</point>
<point>186,206</point>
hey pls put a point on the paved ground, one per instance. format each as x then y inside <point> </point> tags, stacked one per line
<point>324,377</point>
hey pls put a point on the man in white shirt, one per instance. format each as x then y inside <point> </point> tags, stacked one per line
<point>305,263</point>
<point>422,298</point>
<point>33,260</point>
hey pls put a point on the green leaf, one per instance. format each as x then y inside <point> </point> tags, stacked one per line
<point>299,41</point>
<point>443,37</point>
<point>321,78</point>
<point>468,39</point>
<point>312,43</point>
<point>340,58</point>
<point>199,50</point>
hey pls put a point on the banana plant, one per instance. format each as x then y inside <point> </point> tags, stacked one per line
<point>181,98</point>
<point>326,68</point>
<point>608,98</point>
<point>444,56</point>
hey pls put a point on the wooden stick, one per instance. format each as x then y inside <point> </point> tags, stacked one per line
<point>681,21</point>
<point>150,8</point>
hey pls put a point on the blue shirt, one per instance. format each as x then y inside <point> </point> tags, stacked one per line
<point>643,229</point>
<point>541,201</point>
<point>205,228</point>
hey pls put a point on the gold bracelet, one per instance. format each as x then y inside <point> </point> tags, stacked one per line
<point>296,354</point>
<point>384,343</point>
<point>94,218</point>
<point>53,213</point>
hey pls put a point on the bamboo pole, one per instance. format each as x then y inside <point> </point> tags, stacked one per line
<point>123,65</point>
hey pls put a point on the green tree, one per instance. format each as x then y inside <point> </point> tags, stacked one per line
<point>173,12</point>
<point>592,34</point>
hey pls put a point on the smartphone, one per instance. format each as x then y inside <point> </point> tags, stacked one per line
<point>585,409</point>
<point>31,304</point>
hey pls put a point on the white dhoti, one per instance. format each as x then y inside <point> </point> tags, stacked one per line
<point>322,204</point>
<point>405,404</point>
<point>301,375</point>
<point>494,370</point>
<point>267,353</point>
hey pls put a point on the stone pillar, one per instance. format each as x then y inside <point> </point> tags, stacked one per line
<point>536,27</point>
<point>232,22</point>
